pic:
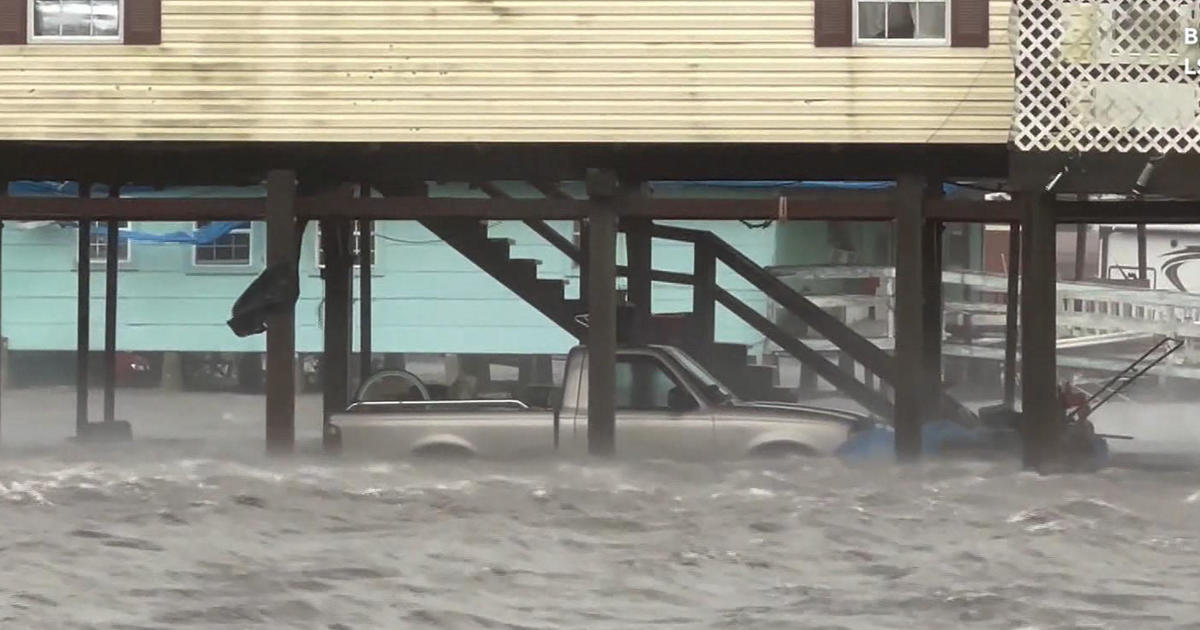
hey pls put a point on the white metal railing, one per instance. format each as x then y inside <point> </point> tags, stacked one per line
<point>1089,314</point>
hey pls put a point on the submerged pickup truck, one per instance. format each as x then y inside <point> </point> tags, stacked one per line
<point>667,406</point>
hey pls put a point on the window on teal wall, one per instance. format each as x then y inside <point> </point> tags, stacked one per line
<point>355,249</point>
<point>98,246</point>
<point>231,249</point>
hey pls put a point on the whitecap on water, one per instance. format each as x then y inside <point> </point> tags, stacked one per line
<point>1033,516</point>
<point>19,492</point>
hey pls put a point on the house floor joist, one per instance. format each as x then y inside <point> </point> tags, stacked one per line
<point>208,163</point>
<point>833,206</point>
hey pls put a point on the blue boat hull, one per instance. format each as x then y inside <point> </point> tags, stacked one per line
<point>946,438</point>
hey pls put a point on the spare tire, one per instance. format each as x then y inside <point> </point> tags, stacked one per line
<point>392,386</point>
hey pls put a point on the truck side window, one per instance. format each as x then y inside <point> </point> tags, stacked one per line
<point>643,384</point>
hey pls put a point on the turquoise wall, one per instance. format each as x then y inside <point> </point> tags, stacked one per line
<point>427,297</point>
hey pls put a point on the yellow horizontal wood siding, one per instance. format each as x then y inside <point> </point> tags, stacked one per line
<point>504,70</point>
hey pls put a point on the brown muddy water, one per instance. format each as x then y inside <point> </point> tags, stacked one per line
<point>192,527</point>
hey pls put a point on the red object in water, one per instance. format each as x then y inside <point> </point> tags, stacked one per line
<point>1073,400</point>
<point>131,368</point>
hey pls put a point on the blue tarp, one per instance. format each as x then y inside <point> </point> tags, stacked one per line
<point>206,235</point>
<point>947,189</point>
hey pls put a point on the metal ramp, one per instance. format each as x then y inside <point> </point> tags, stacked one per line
<point>1123,379</point>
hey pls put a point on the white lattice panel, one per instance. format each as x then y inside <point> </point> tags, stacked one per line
<point>1113,76</point>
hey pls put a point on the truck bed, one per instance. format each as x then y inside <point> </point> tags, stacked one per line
<point>498,433</point>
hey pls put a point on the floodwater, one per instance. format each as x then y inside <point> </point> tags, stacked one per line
<point>175,532</point>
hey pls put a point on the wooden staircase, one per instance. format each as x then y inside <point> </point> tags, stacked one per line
<point>470,238</point>
<point>729,362</point>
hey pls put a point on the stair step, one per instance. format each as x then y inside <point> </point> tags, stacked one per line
<point>733,353</point>
<point>758,382</point>
<point>547,288</point>
<point>783,394</point>
<point>457,229</point>
<point>764,373</point>
<point>523,267</point>
<point>500,246</point>
<point>670,328</point>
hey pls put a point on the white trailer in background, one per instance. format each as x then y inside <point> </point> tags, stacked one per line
<point>1172,256</point>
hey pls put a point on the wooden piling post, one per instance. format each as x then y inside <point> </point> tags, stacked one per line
<point>281,326</point>
<point>704,301</point>
<point>336,246</point>
<point>1081,230</point>
<point>601,271</point>
<point>910,384</point>
<point>365,250</point>
<point>83,296</point>
<point>638,248</point>
<point>585,246</point>
<point>1141,252</point>
<point>932,311</point>
<point>1039,387</point>
<point>3,343</point>
<point>1012,309</point>
<point>112,249</point>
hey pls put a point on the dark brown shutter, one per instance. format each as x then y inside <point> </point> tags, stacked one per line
<point>13,22</point>
<point>833,23</point>
<point>969,23</point>
<point>143,22</point>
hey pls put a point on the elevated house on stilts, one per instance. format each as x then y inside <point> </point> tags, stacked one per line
<point>347,110</point>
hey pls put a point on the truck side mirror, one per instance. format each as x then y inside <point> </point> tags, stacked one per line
<point>679,400</point>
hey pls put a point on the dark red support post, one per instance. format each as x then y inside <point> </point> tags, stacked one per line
<point>601,271</point>
<point>112,260</point>
<point>1141,252</point>
<point>1081,230</point>
<point>83,298</point>
<point>365,250</point>
<point>1039,375</point>
<point>3,343</point>
<point>638,248</point>
<point>704,302</point>
<point>932,311</point>
<point>281,326</point>
<point>336,244</point>
<point>1011,330</point>
<point>911,384</point>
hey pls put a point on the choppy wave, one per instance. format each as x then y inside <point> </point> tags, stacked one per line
<point>161,537</point>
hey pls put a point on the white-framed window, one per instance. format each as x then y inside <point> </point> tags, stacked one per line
<point>98,243</point>
<point>76,20</point>
<point>232,249</point>
<point>904,22</point>
<point>354,249</point>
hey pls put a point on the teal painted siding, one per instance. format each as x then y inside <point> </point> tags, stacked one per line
<point>427,298</point>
